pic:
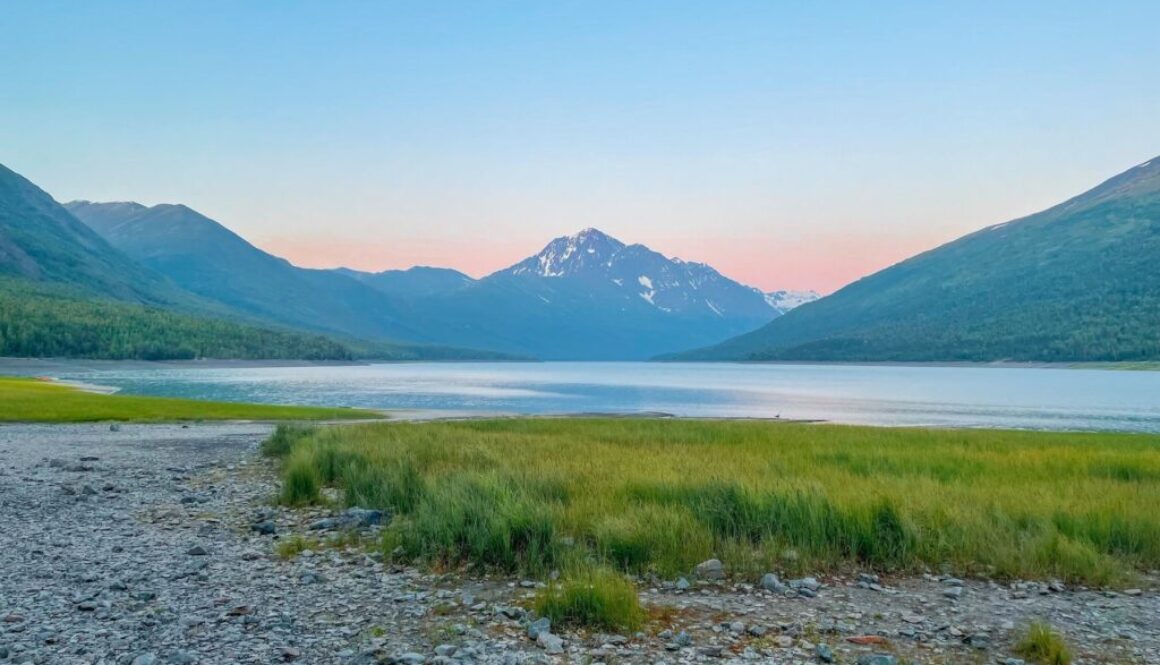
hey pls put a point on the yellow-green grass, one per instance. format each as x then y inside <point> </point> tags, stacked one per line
<point>34,400</point>
<point>641,495</point>
<point>1042,645</point>
<point>598,598</point>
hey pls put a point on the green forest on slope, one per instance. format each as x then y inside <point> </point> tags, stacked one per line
<point>1077,282</point>
<point>38,321</point>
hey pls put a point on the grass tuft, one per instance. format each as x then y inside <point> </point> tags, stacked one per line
<point>301,483</point>
<point>288,548</point>
<point>1043,645</point>
<point>597,598</point>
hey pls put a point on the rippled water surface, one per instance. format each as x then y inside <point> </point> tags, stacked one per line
<point>879,395</point>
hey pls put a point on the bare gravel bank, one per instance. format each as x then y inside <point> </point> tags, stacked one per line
<point>150,544</point>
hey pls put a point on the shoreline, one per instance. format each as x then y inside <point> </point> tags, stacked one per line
<point>22,366</point>
<point>174,520</point>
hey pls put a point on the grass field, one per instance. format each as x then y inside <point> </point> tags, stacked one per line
<point>33,400</point>
<point>638,495</point>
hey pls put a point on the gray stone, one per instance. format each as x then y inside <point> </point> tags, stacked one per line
<point>266,528</point>
<point>683,584</point>
<point>770,582</point>
<point>511,612</point>
<point>712,569</point>
<point>978,641</point>
<point>197,550</point>
<point>362,517</point>
<point>810,583</point>
<point>550,643</point>
<point>541,625</point>
<point>824,653</point>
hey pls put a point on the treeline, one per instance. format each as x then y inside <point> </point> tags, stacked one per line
<point>37,325</point>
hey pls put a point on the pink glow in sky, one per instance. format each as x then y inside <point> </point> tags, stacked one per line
<point>767,264</point>
<point>788,145</point>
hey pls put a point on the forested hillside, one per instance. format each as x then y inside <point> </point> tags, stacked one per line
<point>1077,282</point>
<point>43,323</point>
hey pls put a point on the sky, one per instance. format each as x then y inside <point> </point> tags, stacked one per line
<point>790,144</point>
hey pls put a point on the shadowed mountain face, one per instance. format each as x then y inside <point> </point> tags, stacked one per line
<point>1079,281</point>
<point>208,259</point>
<point>40,241</point>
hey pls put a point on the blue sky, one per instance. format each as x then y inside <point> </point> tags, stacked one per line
<point>790,144</point>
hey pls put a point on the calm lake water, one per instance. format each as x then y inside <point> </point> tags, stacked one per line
<point>1057,399</point>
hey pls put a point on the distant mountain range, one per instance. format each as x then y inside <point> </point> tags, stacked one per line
<point>584,297</point>
<point>1079,281</point>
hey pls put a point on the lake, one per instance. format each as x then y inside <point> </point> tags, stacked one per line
<point>957,396</point>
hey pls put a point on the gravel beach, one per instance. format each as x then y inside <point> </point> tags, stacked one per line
<point>151,544</point>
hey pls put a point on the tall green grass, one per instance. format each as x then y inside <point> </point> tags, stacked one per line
<point>640,495</point>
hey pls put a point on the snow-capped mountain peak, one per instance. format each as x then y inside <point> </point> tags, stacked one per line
<point>570,255</point>
<point>635,277</point>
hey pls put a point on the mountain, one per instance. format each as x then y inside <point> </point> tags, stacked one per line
<point>41,242</point>
<point>1078,281</point>
<point>206,258</point>
<point>65,291</point>
<point>413,282</point>
<point>591,297</point>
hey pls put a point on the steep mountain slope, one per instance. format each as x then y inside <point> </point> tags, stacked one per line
<point>1079,281</point>
<point>590,296</point>
<point>41,242</point>
<point>64,291</point>
<point>208,259</point>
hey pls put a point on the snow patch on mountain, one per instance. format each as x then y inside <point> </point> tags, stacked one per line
<point>785,300</point>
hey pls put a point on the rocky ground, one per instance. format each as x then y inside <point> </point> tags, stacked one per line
<point>155,544</point>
